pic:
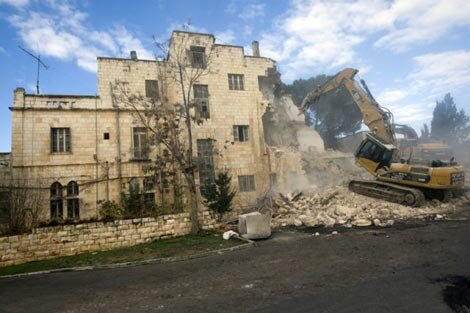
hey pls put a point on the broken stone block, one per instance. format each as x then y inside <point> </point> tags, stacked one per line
<point>345,210</point>
<point>377,222</point>
<point>254,225</point>
<point>361,222</point>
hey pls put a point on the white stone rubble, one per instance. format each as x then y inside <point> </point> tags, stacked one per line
<point>339,206</point>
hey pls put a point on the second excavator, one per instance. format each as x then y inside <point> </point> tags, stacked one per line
<point>397,180</point>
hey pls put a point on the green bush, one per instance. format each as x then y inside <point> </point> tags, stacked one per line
<point>110,210</point>
<point>218,196</point>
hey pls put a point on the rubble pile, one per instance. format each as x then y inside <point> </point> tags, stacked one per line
<point>339,206</point>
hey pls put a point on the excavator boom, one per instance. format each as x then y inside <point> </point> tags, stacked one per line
<point>374,116</point>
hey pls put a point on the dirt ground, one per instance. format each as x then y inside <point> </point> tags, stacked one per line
<point>414,266</point>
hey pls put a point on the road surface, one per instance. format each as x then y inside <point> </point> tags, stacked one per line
<point>400,269</point>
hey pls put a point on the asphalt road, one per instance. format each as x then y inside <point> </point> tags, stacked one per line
<point>396,270</point>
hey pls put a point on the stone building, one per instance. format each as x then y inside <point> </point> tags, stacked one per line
<point>83,149</point>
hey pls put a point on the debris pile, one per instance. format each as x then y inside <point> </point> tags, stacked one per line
<point>339,206</point>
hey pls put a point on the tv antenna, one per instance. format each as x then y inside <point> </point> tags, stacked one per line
<point>38,58</point>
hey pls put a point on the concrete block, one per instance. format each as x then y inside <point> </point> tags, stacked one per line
<point>254,225</point>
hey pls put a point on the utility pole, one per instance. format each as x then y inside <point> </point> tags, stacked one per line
<point>37,58</point>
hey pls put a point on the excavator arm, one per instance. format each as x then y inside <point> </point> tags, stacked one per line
<point>375,117</point>
<point>396,181</point>
<point>378,150</point>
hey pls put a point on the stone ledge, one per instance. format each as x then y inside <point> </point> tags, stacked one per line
<point>66,240</point>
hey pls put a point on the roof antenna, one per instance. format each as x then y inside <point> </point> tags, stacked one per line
<point>38,58</point>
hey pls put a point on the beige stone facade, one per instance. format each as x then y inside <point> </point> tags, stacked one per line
<point>87,140</point>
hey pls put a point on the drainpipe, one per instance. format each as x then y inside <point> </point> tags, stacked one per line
<point>106,167</point>
<point>96,156</point>
<point>118,137</point>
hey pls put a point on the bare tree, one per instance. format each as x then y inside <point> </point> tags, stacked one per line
<point>170,121</point>
<point>22,206</point>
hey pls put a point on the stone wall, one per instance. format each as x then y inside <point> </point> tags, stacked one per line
<point>51,242</point>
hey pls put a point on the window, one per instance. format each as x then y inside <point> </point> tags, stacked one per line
<point>201,91</point>
<point>60,140</point>
<point>149,194</point>
<point>203,109</point>
<point>138,199</point>
<point>273,179</point>
<point>198,57</point>
<point>56,201</point>
<point>106,136</point>
<point>246,183</point>
<point>376,153</point>
<point>140,146</point>
<point>134,185</point>
<point>4,207</point>
<point>205,153</point>
<point>149,200</point>
<point>235,82</point>
<point>73,204</point>
<point>72,189</point>
<point>201,94</point>
<point>151,89</point>
<point>240,132</point>
<point>149,183</point>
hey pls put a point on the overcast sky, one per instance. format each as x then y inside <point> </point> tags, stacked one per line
<point>410,52</point>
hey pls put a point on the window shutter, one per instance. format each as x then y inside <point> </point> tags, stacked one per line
<point>151,89</point>
<point>245,133</point>
<point>189,55</point>
<point>53,140</point>
<point>68,140</point>
<point>143,144</point>
<point>230,83</point>
<point>235,133</point>
<point>136,143</point>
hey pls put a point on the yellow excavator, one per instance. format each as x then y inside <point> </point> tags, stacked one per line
<point>396,179</point>
<point>421,152</point>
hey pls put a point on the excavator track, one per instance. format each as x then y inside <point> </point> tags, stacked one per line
<point>387,191</point>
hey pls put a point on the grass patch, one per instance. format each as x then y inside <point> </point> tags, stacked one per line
<point>172,247</point>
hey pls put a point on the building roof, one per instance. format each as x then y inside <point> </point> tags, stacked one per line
<point>126,59</point>
<point>193,33</point>
<point>60,96</point>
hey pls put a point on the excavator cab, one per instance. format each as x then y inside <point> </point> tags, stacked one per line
<point>374,155</point>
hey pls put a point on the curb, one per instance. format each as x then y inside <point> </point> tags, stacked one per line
<point>136,263</point>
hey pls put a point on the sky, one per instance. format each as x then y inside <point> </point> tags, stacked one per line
<point>410,53</point>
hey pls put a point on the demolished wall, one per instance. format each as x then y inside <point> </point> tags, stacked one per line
<point>297,154</point>
<point>284,125</point>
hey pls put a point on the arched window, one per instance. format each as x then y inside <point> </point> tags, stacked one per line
<point>134,185</point>
<point>72,189</point>
<point>73,203</point>
<point>56,201</point>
